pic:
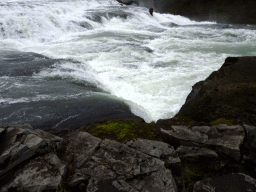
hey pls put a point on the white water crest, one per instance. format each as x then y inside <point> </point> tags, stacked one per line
<point>149,62</point>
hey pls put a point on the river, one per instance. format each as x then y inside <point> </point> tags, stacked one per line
<point>62,61</point>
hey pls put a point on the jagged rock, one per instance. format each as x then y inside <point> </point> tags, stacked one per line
<point>222,138</point>
<point>19,143</point>
<point>182,135</point>
<point>226,139</point>
<point>43,173</point>
<point>249,148</point>
<point>195,152</point>
<point>79,148</point>
<point>156,149</point>
<point>118,166</point>
<point>235,182</point>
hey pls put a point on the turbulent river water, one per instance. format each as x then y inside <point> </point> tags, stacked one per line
<point>66,61</point>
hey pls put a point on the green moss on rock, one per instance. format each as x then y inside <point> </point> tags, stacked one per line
<point>122,131</point>
<point>221,121</point>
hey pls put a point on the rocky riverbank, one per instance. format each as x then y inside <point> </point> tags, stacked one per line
<point>208,146</point>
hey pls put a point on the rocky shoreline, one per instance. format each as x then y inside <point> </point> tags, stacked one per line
<point>209,145</point>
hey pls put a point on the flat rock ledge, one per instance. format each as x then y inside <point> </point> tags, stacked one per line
<point>223,139</point>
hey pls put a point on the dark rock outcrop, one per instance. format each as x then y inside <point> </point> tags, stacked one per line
<point>225,11</point>
<point>249,149</point>
<point>235,182</point>
<point>228,11</point>
<point>227,94</point>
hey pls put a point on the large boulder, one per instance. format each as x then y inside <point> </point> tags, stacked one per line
<point>27,161</point>
<point>99,164</point>
<point>43,173</point>
<point>20,143</point>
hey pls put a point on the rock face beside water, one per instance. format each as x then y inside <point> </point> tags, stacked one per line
<point>210,145</point>
<point>228,93</point>
<point>225,11</point>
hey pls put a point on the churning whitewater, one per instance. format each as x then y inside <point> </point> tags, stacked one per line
<point>90,52</point>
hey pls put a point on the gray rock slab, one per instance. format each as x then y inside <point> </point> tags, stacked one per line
<point>156,149</point>
<point>44,173</point>
<point>202,129</point>
<point>227,139</point>
<point>184,135</point>
<point>236,182</point>
<point>118,166</point>
<point>222,138</point>
<point>20,143</point>
<point>195,152</point>
<point>80,147</point>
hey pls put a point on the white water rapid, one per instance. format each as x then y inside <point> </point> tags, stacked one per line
<point>150,63</point>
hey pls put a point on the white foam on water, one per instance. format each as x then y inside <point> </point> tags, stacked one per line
<point>133,56</point>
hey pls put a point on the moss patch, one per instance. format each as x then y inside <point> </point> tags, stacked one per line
<point>221,121</point>
<point>122,131</point>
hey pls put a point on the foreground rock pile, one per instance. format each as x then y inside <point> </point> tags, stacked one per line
<point>33,160</point>
<point>29,162</point>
